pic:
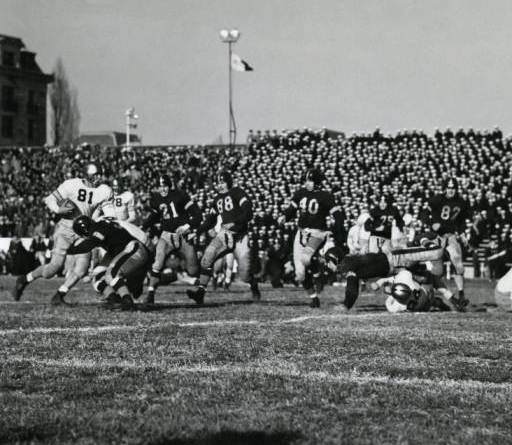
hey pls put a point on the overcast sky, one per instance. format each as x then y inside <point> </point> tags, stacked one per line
<point>349,65</point>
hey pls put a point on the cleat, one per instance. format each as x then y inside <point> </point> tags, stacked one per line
<point>256,294</point>
<point>459,303</point>
<point>127,303</point>
<point>21,283</point>
<point>314,303</point>
<point>149,299</point>
<point>113,301</point>
<point>227,285</point>
<point>197,295</point>
<point>58,300</point>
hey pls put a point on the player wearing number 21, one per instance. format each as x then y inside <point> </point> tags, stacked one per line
<point>74,197</point>
<point>314,205</point>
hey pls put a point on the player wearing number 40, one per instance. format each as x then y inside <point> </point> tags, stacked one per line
<point>314,206</point>
<point>74,197</point>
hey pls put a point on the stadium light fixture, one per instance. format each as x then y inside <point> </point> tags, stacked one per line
<point>130,115</point>
<point>230,36</point>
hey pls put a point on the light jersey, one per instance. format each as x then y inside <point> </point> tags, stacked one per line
<point>124,205</point>
<point>86,198</point>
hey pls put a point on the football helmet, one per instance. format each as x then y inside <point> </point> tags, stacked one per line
<point>401,292</point>
<point>83,226</point>
<point>116,186</point>
<point>333,258</point>
<point>224,181</point>
<point>93,174</point>
<point>164,184</point>
<point>313,179</point>
<point>450,187</point>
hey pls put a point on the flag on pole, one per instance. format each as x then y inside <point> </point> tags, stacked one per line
<point>238,64</point>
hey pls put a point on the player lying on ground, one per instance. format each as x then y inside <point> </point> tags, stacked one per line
<point>72,198</point>
<point>128,255</point>
<point>379,265</point>
<point>408,292</point>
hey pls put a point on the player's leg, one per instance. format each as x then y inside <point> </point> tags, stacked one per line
<point>310,262</point>
<point>228,270</point>
<point>132,259</point>
<point>243,256</point>
<point>189,254</point>
<point>216,249</point>
<point>356,267</point>
<point>79,270</point>
<point>454,250</point>
<point>162,249</point>
<point>62,239</point>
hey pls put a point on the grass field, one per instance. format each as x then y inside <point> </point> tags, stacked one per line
<point>234,372</point>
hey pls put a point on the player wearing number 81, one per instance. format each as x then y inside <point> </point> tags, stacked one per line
<point>314,205</point>
<point>448,212</point>
<point>74,197</point>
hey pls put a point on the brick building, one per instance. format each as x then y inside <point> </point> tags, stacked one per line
<point>23,89</point>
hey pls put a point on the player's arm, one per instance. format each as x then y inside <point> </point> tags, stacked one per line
<point>336,212</point>
<point>107,205</point>
<point>370,224</point>
<point>290,211</point>
<point>399,221</point>
<point>194,214</point>
<point>154,215</point>
<point>132,214</point>
<point>84,246</point>
<point>244,216</point>
<point>57,201</point>
<point>209,222</point>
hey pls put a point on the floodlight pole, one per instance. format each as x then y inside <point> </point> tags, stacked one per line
<point>230,37</point>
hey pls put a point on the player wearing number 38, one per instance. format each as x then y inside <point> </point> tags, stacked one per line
<point>74,197</point>
<point>314,205</point>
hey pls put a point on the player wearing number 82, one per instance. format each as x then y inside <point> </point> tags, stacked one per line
<point>314,205</point>
<point>76,196</point>
<point>448,212</point>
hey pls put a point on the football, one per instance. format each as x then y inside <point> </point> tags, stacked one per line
<point>68,208</point>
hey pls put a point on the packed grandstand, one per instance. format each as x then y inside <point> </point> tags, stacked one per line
<point>407,167</point>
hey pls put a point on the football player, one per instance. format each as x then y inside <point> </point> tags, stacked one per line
<point>179,217</point>
<point>129,252</point>
<point>124,203</point>
<point>503,292</point>
<point>358,237</point>
<point>448,212</point>
<point>235,208</point>
<point>76,196</point>
<point>314,206</point>
<point>379,265</point>
<point>383,217</point>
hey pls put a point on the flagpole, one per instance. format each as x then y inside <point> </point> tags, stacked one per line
<point>230,37</point>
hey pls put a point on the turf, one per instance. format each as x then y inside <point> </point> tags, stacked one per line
<point>237,372</point>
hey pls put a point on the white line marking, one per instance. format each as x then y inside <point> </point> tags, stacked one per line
<point>282,371</point>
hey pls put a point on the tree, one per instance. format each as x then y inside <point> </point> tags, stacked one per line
<point>64,111</point>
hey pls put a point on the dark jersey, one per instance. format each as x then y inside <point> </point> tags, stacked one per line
<point>450,213</point>
<point>314,207</point>
<point>172,209</point>
<point>235,207</point>
<point>381,222</point>
<point>111,236</point>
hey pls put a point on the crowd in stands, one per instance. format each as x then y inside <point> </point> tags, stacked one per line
<point>408,166</point>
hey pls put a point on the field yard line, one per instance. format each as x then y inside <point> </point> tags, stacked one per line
<point>342,377</point>
<point>127,328</point>
<point>124,328</point>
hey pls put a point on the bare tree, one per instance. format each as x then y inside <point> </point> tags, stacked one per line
<point>64,111</point>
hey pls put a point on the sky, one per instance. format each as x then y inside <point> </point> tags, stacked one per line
<point>348,65</point>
